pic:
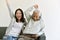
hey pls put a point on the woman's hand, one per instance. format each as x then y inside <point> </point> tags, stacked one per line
<point>7,2</point>
<point>36,6</point>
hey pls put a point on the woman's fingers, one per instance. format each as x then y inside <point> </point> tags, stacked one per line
<point>7,1</point>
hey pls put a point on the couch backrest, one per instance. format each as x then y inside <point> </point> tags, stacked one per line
<point>2,31</point>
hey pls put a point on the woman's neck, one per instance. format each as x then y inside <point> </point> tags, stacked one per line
<point>19,21</point>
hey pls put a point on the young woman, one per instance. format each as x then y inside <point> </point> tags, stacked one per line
<point>34,28</point>
<point>16,25</point>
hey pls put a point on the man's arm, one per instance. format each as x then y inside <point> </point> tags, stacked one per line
<point>27,12</point>
<point>42,27</point>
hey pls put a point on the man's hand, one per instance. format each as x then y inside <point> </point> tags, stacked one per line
<point>34,36</point>
<point>36,6</point>
<point>7,1</point>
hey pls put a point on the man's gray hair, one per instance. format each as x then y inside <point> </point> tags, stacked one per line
<point>37,11</point>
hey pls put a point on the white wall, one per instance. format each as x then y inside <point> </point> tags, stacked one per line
<point>51,12</point>
<point>49,8</point>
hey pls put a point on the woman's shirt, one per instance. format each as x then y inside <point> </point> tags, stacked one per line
<point>15,29</point>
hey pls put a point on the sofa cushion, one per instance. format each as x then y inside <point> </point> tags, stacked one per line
<point>2,31</point>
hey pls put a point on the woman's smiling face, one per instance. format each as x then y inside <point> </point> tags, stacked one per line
<point>18,15</point>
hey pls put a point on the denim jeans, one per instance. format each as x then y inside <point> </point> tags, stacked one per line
<point>42,37</point>
<point>9,38</point>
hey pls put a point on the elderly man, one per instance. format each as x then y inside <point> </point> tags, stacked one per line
<point>34,28</point>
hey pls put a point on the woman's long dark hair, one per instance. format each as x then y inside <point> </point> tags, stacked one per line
<point>22,19</point>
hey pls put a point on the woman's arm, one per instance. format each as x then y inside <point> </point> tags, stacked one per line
<point>10,26</point>
<point>27,12</point>
<point>10,11</point>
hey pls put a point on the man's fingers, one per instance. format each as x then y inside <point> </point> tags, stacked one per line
<point>36,6</point>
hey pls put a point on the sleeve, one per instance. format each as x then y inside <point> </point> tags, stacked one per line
<point>42,27</point>
<point>23,29</point>
<point>10,11</point>
<point>24,26</point>
<point>27,12</point>
<point>9,27</point>
<point>7,30</point>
